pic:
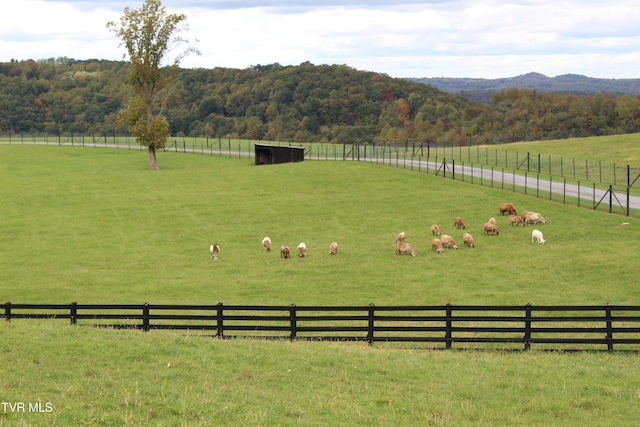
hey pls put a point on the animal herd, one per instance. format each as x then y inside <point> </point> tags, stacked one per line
<point>439,241</point>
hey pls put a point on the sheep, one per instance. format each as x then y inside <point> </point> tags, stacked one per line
<point>302,250</point>
<point>333,248</point>
<point>214,250</point>
<point>492,221</point>
<point>459,223</point>
<point>437,245</point>
<point>284,251</point>
<point>534,218</point>
<point>490,229</point>
<point>536,236</point>
<point>266,242</point>
<point>405,248</point>
<point>435,230</point>
<point>507,207</point>
<point>447,242</point>
<point>515,219</point>
<point>523,215</point>
<point>468,240</point>
<point>401,236</point>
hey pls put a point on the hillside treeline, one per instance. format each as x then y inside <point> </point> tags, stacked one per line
<point>303,103</point>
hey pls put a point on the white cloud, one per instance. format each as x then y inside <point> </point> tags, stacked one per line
<point>411,38</point>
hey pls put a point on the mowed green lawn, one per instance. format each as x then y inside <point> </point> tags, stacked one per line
<point>93,225</point>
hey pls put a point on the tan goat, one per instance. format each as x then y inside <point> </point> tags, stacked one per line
<point>405,248</point>
<point>468,240</point>
<point>437,245</point>
<point>448,242</point>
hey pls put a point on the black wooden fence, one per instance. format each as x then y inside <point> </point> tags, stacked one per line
<point>547,326</point>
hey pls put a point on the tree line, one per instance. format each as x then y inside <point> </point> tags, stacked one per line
<point>302,103</point>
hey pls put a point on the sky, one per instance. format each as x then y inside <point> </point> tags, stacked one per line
<point>400,38</point>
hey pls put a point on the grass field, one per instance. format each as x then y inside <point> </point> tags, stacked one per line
<point>94,225</point>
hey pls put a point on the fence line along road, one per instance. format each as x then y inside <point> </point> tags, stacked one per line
<point>618,200</point>
<point>548,327</point>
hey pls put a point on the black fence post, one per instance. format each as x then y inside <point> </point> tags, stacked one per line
<point>145,317</point>
<point>7,311</point>
<point>293,322</point>
<point>370,325</point>
<point>527,326</point>
<point>220,321</point>
<point>609,328</point>
<point>74,313</point>
<point>447,335</point>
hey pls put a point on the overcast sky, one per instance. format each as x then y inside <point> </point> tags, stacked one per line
<point>402,38</point>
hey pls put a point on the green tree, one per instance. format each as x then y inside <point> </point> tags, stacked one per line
<point>149,34</point>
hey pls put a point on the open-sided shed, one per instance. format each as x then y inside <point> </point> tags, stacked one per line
<point>271,154</point>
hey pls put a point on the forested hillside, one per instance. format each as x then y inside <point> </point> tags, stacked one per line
<point>482,90</point>
<point>303,103</point>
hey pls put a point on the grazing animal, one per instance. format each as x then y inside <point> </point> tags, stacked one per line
<point>534,218</point>
<point>405,248</point>
<point>437,245</point>
<point>284,251</point>
<point>401,236</point>
<point>515,219</point>
<point>523,215</point>
<point>468,240</point>
<point>507,208</point>
<point>435,230</point>
<point>333,248</point>
<point>266,242</point>
<point>214,250</point>
<point>448,242</point>
<point>490,229</point>
<point>536,237</point>
<point>302,250</point>
<point>459,223</point>
<point>492,221</point>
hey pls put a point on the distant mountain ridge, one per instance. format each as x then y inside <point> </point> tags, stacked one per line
<point>483,89</point>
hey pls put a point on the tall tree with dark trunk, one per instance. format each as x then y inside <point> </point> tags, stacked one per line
<point>150,34</point>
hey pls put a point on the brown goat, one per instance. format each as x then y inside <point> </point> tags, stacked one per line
<point>459,223</point>
<point>515,220</point>
<point>284,251</point>
<point>490,229</point>
<point>507,208</point>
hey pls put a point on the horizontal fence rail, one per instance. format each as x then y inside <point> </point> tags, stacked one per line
<point>605,326</point>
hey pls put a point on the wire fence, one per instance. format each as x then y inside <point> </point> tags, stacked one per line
<point>595,185</point>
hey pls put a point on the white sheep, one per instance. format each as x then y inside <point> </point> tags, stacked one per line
<point>536,236</point>
<point>302,250</point>
<point>266,242</point>
<point>333,248</point>
<point>401,236</point>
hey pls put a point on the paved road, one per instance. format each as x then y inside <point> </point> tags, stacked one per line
<point>584,193</point>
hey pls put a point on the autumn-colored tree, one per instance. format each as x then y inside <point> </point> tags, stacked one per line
<point>404,111</point>
<point>149,34</point>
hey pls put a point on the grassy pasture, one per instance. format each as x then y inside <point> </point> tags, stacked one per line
<point>95,226</point>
